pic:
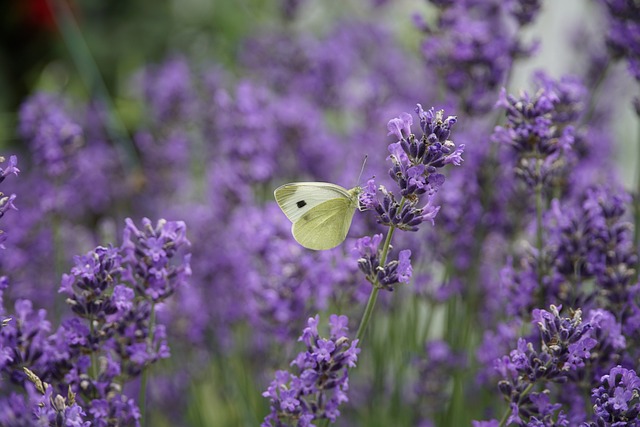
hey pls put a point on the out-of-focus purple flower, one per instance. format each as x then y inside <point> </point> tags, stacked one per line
<point>23,341</point>
<point>623,38</point>
<point>52,135</point>
<point>615,401</point>
<point>321,382</point>
<point>149,252</point>
<point>525,11</point>
<point>540,130</point>
<point>11,168</point>
<point>569,96</point>
<point>472,46</point>
<point>589,237</point>
<point>431,385</point>
<point>278,282</point>
<point>168,91</point>
<point>490,423</point>
<point>607,331</point>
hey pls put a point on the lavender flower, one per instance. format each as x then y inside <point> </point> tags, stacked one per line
<point>540,142</point>
<point>149,251</point>
<point>616,401</point>
<point>472,48</point>
<point>23,342</point>
<point>387,276</point>
<point>168,91</point>
<point>322,379</point>
<point>432,383</point>
<point>53,135</point>
<point>565,346</point>
<point>414,162</point>
<point>622,38</point>
<point>53,411</point>
<point>6,202</point>
<point>91,282</point>
<point>111,337</point>
<point>41,409</point>
<point>524,11</point>
<point>579,255</point>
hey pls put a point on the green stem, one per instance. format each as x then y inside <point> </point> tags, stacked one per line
<point>595,94</point>
<point>94,360</point>
<point>503,421</point>
<point>371,303</point>
<point>539,238</point>
<point>142,398</point>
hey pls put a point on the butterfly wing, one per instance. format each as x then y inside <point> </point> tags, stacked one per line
<point>326,225</point>
<point>298,198</point>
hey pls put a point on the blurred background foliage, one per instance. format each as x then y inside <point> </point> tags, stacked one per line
<point>90,49</point>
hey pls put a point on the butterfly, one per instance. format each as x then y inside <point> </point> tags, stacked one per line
<point>321,212</point>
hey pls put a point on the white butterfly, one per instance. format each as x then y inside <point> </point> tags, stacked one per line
<point>321,212</point>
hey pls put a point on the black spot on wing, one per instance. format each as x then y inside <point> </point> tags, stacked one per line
<point>301,204</point>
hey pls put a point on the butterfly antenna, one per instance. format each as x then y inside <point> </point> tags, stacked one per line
<point>364,162</point>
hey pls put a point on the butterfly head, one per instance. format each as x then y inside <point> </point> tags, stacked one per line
<point>355,196</point>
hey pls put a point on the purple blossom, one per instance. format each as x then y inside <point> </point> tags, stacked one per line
<point>168,91</point>
<point>616,401</point>
<point>524,11</point>
<point>414,162</point>
<point>11,168</point>
<point>541,129</point>
<point>6,202</point>
<point>623,38</point>
<point>565,347</point>
<point>321,382</point>
<point>401,126</point>
<point>387,276</point>
<point>490,423</point>
<point>111,324</point>
<point>52,134</point>
<point>608,258</point>
<point>472,47</point>
<point>149,251</point>
<point>435,366</point>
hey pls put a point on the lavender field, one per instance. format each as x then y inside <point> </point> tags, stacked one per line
<point>489,278</point>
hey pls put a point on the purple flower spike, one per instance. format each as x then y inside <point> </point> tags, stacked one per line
<point>149,251</point>
<point>565,347</point>
<point>6,202</point>
<point>387,276</point>
<point>322,378</point>
<point>616,401</point>
<point>540,129</point>
<point>52,134</point>
<point>472,46</point>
